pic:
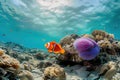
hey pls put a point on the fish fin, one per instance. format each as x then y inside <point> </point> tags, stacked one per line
<point>59,45</point>
<point>53,42</point>
<point>62,51</point>
<point>50,50</point>
<point>56,52</point>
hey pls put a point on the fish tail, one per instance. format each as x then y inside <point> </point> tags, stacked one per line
<point>56,52</point>
<point>62,51</point>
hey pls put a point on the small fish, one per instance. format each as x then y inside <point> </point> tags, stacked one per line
<point>54,47</point>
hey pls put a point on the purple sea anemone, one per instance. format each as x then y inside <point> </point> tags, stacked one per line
<point>87,48</point>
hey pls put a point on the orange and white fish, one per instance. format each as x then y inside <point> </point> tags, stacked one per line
<point>54,47</point>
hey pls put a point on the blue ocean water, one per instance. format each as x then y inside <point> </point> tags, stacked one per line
<point>32,23</point>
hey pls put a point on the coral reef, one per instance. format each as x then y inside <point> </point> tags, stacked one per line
<point>116,77</point>
<point>107,47</point>
<point>107,42</point>
<point>2,73</point>
<point>70,58</point>
<point>27,66</point>
<point>54,73</point>
<point>1,52</point>
<point>116,45</point>
<point>44,64</point>
<point>71,54</point>
<point>101,35</point>
<point>88,36</point>
<point>11,69</point>
<point>108,70</point>
<point>67,43</point>
<point>112,48</point>
<point>68,39</point>
<point>9,66</point>
<point>6,61</point>
<point>40,55</point>
<point>25,75</point>
<point>20,63</point>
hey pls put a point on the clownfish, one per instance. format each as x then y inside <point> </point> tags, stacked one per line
<point>54,47</point>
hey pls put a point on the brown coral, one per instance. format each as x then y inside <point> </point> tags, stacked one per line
<point>1,52</point>
<point>101,35</point>
<point>6,61</point>
<point>68,39</point>
<point>54,72</point>
<point>106,46</point>
<point>27,66</point>
<point>108,70</point>
<point>67,45</point>
<point>25,75</point>
<point>88,36</point>
<point>116,45</point>
<point>70,57</point>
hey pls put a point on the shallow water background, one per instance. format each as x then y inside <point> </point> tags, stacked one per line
<point>32,23</point>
